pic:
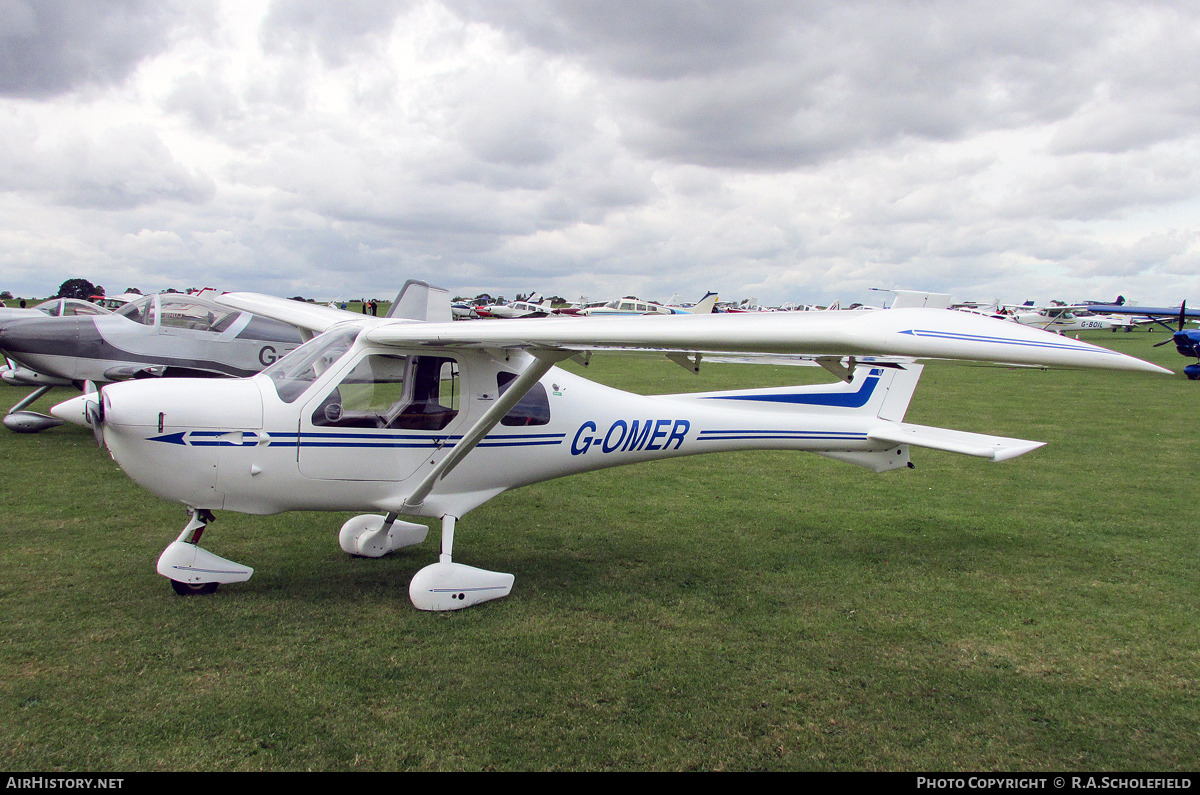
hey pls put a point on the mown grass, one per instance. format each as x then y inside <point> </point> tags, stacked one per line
<point>746,611</point>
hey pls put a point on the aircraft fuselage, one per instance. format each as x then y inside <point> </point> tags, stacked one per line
<point>258,445</point>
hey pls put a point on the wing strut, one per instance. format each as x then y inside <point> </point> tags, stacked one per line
<point>543,361</point>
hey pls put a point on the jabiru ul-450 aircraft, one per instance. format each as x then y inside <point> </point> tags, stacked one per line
<point>433,419</point>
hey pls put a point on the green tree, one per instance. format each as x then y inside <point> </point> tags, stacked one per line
<point>76,288</point>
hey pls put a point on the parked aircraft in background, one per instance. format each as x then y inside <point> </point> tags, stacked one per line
<point>636,306</point>
<point>534,306</point>
<point>55,307</point>
<point>434,419</point>
<point>1074,317</point>
<point>574,307</point>
<point>1187,341</point>
<point>156,335</point>
<point>117,301</point>
<point>170,335</point>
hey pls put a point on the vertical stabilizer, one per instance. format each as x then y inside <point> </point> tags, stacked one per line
<point>705,305</point>
<point>419,301</point>
<point>899,392</point>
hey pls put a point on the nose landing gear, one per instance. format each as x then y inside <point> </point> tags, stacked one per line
<point>194,571</point>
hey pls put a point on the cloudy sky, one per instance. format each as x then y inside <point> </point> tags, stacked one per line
<point>785,151</point>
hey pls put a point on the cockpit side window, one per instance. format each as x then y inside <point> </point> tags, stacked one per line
<point>366,396</point>
<point>390,391</point>
<point>532,409</point>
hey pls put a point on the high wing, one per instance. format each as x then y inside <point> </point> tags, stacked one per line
<point>1148,311</point>
<point>916,333</point>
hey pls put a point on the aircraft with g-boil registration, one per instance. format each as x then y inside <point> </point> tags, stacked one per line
<point>410,418</point>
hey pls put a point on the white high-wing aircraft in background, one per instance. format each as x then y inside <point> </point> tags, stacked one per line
<point>636,306</point>
<point>1070,317</point>
<point>435,418</point>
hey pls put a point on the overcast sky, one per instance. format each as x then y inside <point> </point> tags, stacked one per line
<point>785,151</point>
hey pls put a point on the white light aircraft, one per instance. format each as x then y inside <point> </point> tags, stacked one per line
<point>435,418</point>
<point>636,306</point>
<point>1061,319</point>
<point>533,306</point>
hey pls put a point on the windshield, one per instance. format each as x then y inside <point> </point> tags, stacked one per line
<point>295,372</point>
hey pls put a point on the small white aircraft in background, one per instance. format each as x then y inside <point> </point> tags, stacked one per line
<point>435,418</point>
<point>533,306</point>
<point>636,306</point>
<point>1068,317</point>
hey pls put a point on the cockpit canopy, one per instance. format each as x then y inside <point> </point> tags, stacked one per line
<point>70,307</point>
<point>178,311</point>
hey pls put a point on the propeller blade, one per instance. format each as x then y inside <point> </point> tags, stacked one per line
<point>1182,313</point>
<point>95,413</point>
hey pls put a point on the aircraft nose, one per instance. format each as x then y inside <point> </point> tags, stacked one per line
<point>73,410</point>
<point>184,403</point>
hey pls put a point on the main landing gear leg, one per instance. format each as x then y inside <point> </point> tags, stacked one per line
<point>195,571</point>
<point>446,585</point>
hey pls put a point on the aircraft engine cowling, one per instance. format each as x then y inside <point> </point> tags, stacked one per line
<point>167,435</point>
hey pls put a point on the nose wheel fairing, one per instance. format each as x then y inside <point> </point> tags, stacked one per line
<point>193,569</point>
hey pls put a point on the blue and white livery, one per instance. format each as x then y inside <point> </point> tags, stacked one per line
<point>433,419</point>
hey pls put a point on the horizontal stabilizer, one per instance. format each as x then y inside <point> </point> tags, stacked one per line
<point>996,448</point>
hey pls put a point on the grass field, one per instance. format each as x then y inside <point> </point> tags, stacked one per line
<point>738,612</point>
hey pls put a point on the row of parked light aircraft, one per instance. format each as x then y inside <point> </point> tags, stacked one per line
<point>536,306</point>
<point>412,415</point>
<point>1059,317</point>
